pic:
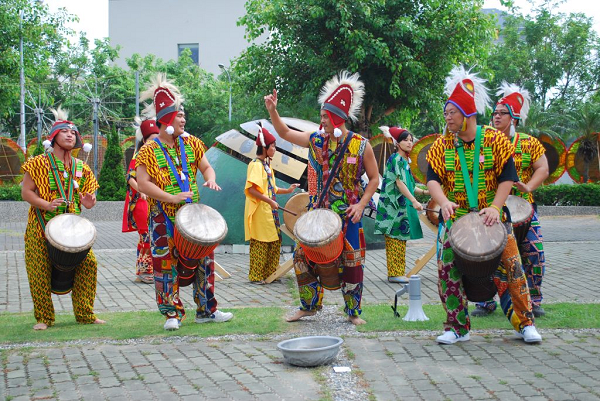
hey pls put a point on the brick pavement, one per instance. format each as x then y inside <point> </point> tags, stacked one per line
<point>389,366</point>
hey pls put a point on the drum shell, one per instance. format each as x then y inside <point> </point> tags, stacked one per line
<point>61,281</point>
<point>521,213</point>
<point>65,261</point>
<point>298,204</point>
<point>327,246</point>
<point>191,245</point>
<point>186,271</point>
<point>329,275</point>
<point>477,254</point>
<point>433,212</point>
<point>479,289</point>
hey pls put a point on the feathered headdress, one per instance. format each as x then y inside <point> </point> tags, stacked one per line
<point>466,91</point>
<point>61,122</point>
<point>341,97</point>
<point>145,128</point>
<point>167,101</point>
<point>516,99</point>
<point>394,133</point>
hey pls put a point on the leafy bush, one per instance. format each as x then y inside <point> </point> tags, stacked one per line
<point>112,176</point>
<point>568,195</point>
<point>10,192</point>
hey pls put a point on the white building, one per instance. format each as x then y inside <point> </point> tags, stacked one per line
<point>164,28</point>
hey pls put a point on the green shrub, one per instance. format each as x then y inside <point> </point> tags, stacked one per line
<point>112,176</point>
<point>10,192</point>
<point>568,195</point>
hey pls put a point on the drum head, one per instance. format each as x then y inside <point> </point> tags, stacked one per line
<point>433,212</point>
<point>70,233</point>
<point>297,204</point>
<point>202,223</point>
<point>519,208</point>
<point>473,240</point>
<point>318,227</point>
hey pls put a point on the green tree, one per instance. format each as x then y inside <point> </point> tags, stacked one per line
<point>402,49</point>
<point>112,176</point>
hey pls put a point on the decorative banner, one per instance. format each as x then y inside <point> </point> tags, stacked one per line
<point>418,164</point>
<point>556,153</point>
<point>11,159</point>
<point>576,163</point>
<point>128,148</point>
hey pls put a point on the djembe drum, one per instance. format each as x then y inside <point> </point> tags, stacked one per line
<point>433,212</point>
<point>521,213</point>
<point>477,252</point>
<point>319,233</point>
<point>69,238</point>
<point>198,231</point>
<point>298,204</point>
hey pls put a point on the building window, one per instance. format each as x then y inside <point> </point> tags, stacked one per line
<point>193,48</point>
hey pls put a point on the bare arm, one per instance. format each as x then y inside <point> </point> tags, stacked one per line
<point>355,211</point>
<point>295,137</point>
<point>540,173</point>
<point>30,195</point>
<point>437,194</point>
<point>148,187</point>
<point>133,184</point>
<point>288,190</point>
<point>262,197</point>
<point>209,175</point>
<point>491,214</point>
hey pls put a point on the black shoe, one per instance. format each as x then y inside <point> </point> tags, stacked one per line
<point>538,311</point>
<point>481,311</point>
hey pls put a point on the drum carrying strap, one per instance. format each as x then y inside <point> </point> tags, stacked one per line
<point>472,189</point>
<point>333,171</point>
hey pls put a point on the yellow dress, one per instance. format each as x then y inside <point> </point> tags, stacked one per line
<point>258,216</point>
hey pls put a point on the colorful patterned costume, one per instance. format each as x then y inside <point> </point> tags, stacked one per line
<point>166,279</point>
<point>396,218</point>
<point>261,222</point>
<point>527,151</point>
<point>37,262</point>
<point>135,218</point>
<point>345,190</point>
<point>509,278</point>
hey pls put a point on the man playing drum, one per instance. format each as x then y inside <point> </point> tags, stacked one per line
<point>341,98</point>
<point>261,217</point>
<point>166,173</point>
<point>532,169</point>
<point>471,168</point>
<point>54,183</point>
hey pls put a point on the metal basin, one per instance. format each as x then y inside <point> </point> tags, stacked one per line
<point>310,351</point>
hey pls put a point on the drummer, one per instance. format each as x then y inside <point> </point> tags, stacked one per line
<point>397,217</point>
<point>532,169</point>
<point>166,173</point>
<point>56,182</point>
<point>261,217</point>
<point>456,189</point>
<point>340,99</point>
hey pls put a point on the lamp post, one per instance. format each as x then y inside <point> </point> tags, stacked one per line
<point>21,139</point>
<point>221,66</point>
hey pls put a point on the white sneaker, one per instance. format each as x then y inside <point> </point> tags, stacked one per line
<point>172,324</point>
<point>450,337</point>
<point>529,334</point>
<point>218,317</point>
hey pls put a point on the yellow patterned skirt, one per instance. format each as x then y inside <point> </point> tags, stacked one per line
<point>264,259</point>
<point>395,253</point>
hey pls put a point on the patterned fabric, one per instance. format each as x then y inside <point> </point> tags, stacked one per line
<point>528,150</point>
<point>143,262</point>
<point>264,259</point>
<point>509,279</point>
<point>350,267</point>
<point>532,256</point>
<point>396,218</point>
<point>443,158</point>
<point>37,261</point>
<point>166,278</point>
<point>259,221</point>
<point>395,253</point>
<point>157,166</point>
<point>40,172</point>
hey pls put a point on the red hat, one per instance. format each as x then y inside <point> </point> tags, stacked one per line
<point>166,100</point>
<point>143,129</point>
<point>341,97</point>
<point>516,99</point>
<point>61,123</point>
<point>395,133</point>
<point>466,91</point>
<point>264,138</point>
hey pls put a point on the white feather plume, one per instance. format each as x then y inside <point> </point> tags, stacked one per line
<point>458,73</point>
<point>358,89</point>
<point>87,147</point>
<point>386,133</point>
<point>137,125</point>
<point>160,81</point>
<point>506,89</point>
<point>46,144</point>
<point>60,114</point>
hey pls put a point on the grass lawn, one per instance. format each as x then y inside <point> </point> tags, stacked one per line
<point>17,328</point>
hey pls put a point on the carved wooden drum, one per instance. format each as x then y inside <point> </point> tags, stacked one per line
<point>521,213</point>
<point>319,233</point>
